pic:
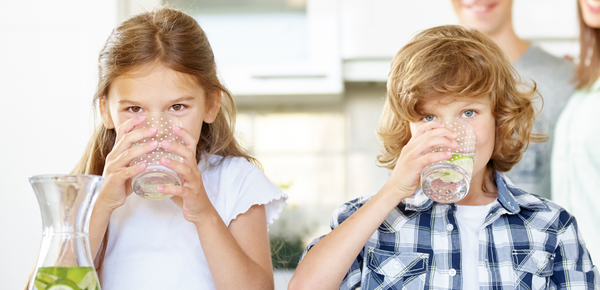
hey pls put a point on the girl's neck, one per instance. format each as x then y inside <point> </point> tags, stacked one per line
<point>476,196</point>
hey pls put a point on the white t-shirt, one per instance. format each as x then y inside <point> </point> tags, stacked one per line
<point>470,221</point>
<point>152,246</point>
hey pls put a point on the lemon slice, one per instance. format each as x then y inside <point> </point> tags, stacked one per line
<point>462,160</point>
<point>60,287</point>
<point>451,176</point>
<point>89,281</point>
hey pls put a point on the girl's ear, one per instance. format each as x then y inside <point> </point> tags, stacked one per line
<point>105,114</point>
<point>212,107</point>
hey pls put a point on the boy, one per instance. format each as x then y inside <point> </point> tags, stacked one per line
<point>498,235</point>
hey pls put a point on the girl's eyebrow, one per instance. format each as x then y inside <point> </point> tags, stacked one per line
<point>183,99</point>
<point>178,100</point>
<point>128,102</point>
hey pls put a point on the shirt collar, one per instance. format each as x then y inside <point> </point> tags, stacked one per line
<point>509,196</point>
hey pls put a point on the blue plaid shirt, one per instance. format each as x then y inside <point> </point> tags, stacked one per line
<point>526,242</point>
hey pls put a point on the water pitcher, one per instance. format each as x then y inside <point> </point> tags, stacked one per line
<point>65,260</point>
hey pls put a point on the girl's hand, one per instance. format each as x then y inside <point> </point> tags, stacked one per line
<point>406,176</point>
<point>117,173</point>
<point>191,195</point>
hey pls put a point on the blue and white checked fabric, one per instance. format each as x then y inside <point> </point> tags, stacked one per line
<point>526,242</point>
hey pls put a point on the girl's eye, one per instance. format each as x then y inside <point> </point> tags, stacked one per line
<point>134,109</point>
<point>429,118</point>
<point>468,113</point>
<point>177,107</point>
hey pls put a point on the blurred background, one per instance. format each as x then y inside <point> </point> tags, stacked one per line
<point>308,77</point>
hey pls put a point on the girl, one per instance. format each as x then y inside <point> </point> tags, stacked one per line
<point>498,235</point>
<point>576,155</point>
<point>213,234</point>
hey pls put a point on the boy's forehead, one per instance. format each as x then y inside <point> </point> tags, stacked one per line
<point>448,100</point>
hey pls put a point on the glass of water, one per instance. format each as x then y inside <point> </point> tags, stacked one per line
<point>145,183</point>
<point>448,181</point>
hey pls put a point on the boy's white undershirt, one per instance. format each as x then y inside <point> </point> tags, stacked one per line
<point>470,220</point>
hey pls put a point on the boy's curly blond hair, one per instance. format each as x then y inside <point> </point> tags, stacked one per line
<point>457,63</point>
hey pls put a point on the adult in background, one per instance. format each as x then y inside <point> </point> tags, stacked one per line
<point>552,75</point>
<point>576,156</point>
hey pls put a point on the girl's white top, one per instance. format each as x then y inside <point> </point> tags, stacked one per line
<point>576,164</point>
<point>152,246</point>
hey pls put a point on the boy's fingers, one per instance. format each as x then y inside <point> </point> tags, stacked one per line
<point>436,143</point>
<point>428,127</point>
<point>435,157</point>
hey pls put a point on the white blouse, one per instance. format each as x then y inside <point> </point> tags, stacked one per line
<point>152,246</point>
<point>576,164</point>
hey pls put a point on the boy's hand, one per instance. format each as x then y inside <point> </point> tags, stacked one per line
<point>191,195</point>
<point>117,173</point>
<point>406,176</point>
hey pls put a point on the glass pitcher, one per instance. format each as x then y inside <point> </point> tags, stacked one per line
<point>65,260</point>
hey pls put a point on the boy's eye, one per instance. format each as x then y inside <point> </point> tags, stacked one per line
<point>429,118</point>
<point>134,109</point>
<point>468,113</point>
<point>177,107</point>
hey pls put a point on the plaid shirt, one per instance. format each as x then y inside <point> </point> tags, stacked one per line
<point>526,242</point>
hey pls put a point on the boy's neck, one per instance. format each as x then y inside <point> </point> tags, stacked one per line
<point>476,196</point>
<point>506,38</point>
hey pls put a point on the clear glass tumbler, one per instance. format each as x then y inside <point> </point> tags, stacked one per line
<point>448,181</point>
<point>145,183</point>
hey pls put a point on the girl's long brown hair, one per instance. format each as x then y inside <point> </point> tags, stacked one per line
<point>175,40</point>
<point>588,69</point>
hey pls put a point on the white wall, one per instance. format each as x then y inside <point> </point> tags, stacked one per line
<point>48,64</point>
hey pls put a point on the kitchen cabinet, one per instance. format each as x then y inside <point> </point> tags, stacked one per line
<point>269,52</point>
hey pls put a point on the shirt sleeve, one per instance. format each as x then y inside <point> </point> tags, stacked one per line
<point>352,279</point>
<point>248,187</point>
<point>573,268</point>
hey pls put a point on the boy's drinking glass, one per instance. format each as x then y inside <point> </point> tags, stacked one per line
<point>448,181</point>
<point>145,183</point>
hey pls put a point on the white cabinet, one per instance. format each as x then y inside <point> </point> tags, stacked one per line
<point>278,53</point>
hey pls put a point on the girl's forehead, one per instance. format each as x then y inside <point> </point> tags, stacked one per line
<point>154,79</point>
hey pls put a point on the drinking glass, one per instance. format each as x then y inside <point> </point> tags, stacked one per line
<point>145,183</point>
<point>448,181</point>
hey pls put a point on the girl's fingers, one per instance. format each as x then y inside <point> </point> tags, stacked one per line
<point>129,125</point>
<point>189,141</point>
<point>126,173</point>
<point>184,170</point>
<point>132,153</point>
<point>183,151</point>
<point>178,191</point>
<point>132,137</point>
